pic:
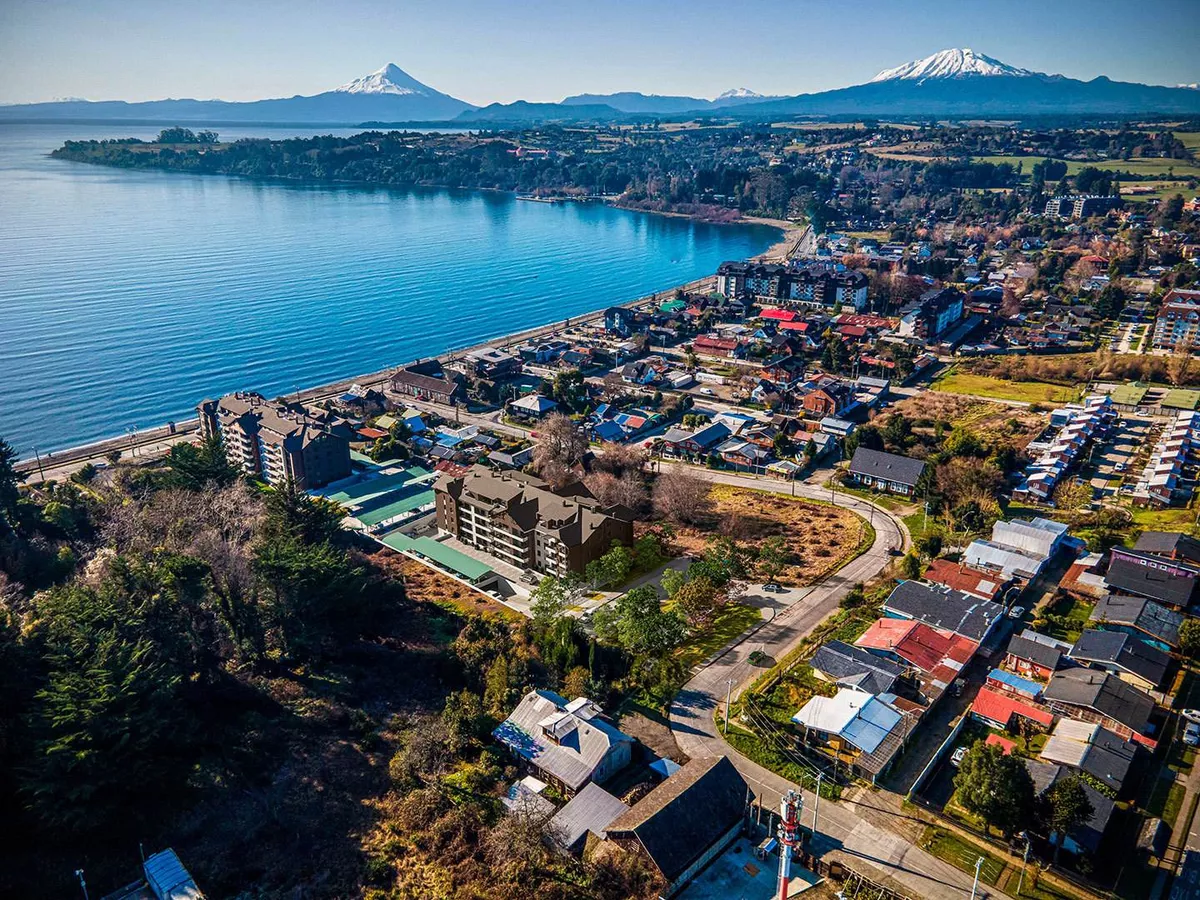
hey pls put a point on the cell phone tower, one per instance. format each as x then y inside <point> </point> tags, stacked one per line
<point>790,806</point>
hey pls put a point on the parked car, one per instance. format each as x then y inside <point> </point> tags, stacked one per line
<point>707,391</point>
<point>1016,612</point>
<point>1192,715</point>
<point>773,588</point>
<point>1191,734</point>
<point>957,757</point>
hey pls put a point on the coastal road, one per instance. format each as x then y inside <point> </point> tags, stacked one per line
<point>860,831</point>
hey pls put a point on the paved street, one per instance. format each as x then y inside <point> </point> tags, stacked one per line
<point>859,828</point>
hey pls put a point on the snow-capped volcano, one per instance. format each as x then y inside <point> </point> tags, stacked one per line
<point>950,64</point>
<point>391,79</point>
<point>740,94</point>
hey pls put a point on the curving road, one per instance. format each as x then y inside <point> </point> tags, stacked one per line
<point>859,829</point>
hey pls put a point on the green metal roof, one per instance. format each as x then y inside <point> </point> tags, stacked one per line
<point>385,422</point>
<point>405,503</point>
<point>672,306</point>
<point>469,568</point>
<point>1129,394</point>
<point>1181,399</point>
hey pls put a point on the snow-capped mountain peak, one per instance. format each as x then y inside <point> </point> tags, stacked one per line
<point>950,64</point>
<point>740,94</point>
<point>391,79</point>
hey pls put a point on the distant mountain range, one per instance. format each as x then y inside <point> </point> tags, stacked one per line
<point>955,82</point>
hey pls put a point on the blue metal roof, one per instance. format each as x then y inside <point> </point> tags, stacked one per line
<point>1017,683</point>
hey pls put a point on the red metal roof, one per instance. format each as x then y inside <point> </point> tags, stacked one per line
<point>998,707</point>
<point>780,315</point>
<point>793,326</point>
<point>1004,744</point>
<point>963,578</point>
<point>715,343</point>
<point>852,331</point>
<point>372,433</point>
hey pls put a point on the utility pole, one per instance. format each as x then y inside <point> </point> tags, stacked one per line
<point>975,884</point>
<point>82,883</point>
<point>37,456</point>
<point>817,802</point>
<point>1024,863</point>
<point>728,695</point>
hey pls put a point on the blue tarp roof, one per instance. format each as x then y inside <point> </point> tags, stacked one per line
<point>1016,682</point>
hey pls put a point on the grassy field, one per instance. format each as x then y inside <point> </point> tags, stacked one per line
<point>961,854</point>
<point>986,386</point>
<point>1180,167</point>
<point>1174,519</point>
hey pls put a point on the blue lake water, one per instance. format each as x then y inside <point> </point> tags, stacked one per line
<point>128,296</point>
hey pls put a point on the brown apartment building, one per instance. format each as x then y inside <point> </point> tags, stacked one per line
<point>519,520</point>
<point>279,442</point>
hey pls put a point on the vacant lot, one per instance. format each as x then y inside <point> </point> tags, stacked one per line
<point>986,386</point>
<point>1014,425</point>
<point>426,585</point>
<point>820,538</point>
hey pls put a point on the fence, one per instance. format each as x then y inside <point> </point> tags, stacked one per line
<point>937,756</point>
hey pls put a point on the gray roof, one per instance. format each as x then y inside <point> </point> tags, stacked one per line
<point>1140,613</point>
<point>584,738</point>
<point>943,608</point>
<point>1044,776</point>
<point>1156,584</point>
<point>1103,692</point>
<point>856,667</point>
<point>592,809</point>
<point>168,879</point>
<point>1169,543</point>
<point>1041,654</point>
<point>1123,651</point>
<point>889,466</point>
<point>1091,748</point>
<point>678,821</point>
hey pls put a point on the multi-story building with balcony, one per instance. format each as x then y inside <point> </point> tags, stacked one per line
<point>1178,322</point>
<point>519,520</point>
<point>932,315</point>
<point>279,442</point>
<point>815,284</point>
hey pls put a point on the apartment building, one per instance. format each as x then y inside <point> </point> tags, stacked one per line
<point>815,284</point>
<point>1178,322</point>
<point>1082,206</point>
<point>279,442</point>
<point>932,315</point>
<point>519,520</point>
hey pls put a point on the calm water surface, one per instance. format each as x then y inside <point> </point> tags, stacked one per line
<point>127,296</point>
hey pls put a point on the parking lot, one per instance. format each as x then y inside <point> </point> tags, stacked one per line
<point>1119,456</point>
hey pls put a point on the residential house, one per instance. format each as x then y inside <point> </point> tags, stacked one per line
<point>1091,750</point>
<point>1032,658</point>
<point>429,381</point>
<point>1017,548</point>
<point>1169,544</point>
<point>1124,655</point>
<point>679,442</point>
<point>518,519</point>
<point>973,582</point>
<point>279,443</point>
<point>589,812</point>
<point>1164,580</point>
<point>859,728</point>
<point>569,743</point>
<point>1095,696</point>
<point>1138,616</point>
<point>886,471</point>
<point>687,821</point>
<point>827,396</point>
<point>722,348</point>
<point>998,709</point>
<point>853,667</point>
<point>938,658</point>
<point>944,609</point>
<point>493,363</point>
<point>532,406</point>
<point>1088,836</point>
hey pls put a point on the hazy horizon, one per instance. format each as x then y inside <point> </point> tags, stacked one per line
<point>138,50</point>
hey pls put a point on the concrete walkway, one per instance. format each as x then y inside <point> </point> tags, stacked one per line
<point>863,832</point>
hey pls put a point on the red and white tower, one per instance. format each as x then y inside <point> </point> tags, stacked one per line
<point>790,806</point>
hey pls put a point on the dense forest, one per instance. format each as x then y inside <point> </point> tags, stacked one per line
<point>196,661</point>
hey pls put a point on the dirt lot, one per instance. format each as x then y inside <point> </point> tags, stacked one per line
<point>426,585</point>
<point>819,537</point>
<point>1015,425</point>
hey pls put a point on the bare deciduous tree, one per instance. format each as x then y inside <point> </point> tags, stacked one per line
<point>681,496</point>
<point>561,444</point>
<point>627,489</point>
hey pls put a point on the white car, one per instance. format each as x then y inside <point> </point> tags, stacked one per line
<point>707,391</point>
<point>957,758</point>
<point>1192,715</point>
<point>1016,612</point>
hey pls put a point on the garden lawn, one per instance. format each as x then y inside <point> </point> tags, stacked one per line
<point>1181,167</point>
<point>986,386</point>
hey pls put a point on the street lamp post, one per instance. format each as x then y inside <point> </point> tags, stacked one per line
<point>728,695</point>
<point>82,883</point>
<point>817,802</point>
<point>975,884</point>
<point>1024,863</point>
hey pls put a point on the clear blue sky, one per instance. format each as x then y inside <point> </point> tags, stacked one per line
<point>489,50</point>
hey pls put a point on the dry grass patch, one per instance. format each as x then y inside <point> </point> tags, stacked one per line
<point>1015,425</point>
<point>820,538</point>
<point>426,585</point>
